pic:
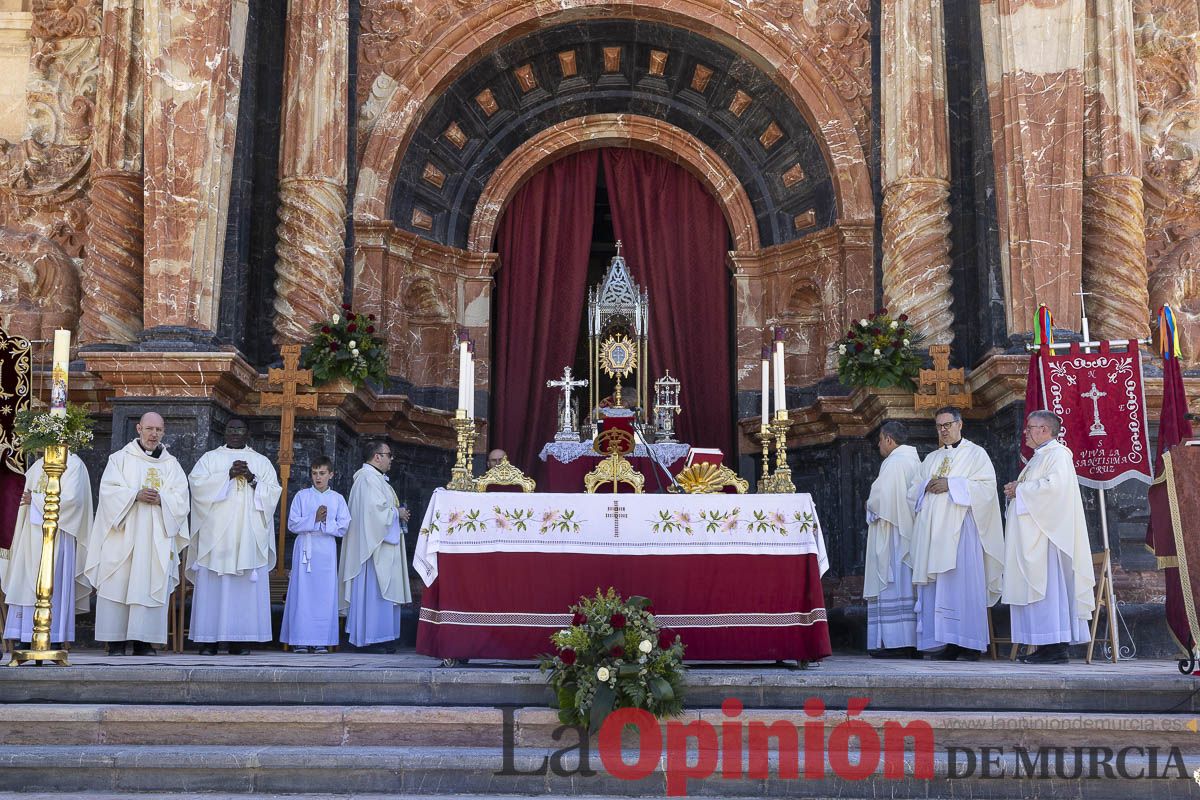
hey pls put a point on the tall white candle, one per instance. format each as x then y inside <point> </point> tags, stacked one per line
<point>780,382</point>
<point>464,358</point>
<point>766,385</point>
<point>471,382</point>
<point>60,370</point>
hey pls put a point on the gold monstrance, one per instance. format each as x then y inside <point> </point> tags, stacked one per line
<point>618,328</point>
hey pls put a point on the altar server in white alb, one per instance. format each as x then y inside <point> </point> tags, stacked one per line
<point>141,527</point>
<point>958,544</point>
<point>234,493</point>
<point>1048,574</point>
<point>887,580</point>
<point>319,517</point>
<point>19,572</point>
<point>374,566</point>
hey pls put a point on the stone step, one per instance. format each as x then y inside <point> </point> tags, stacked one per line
<point>438,771</point>
<point>401,726</point>
<point>1138,687</point>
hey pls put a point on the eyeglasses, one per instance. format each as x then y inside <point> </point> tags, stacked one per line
<point>388,454</point>
<point>945,426</point>
<point>1036,427</point>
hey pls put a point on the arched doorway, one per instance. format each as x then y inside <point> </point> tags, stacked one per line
<point>561,225</point>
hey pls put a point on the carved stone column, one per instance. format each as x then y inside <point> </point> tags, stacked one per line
<point>193,74</point>
<point>916,167</point>
<point>312,167</point>
<point>1033,53</point>
<point>1114,232</point>
<point>112,275</point>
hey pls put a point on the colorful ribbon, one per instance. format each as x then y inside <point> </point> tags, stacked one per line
<point>1168,333</point>
<point>1043,326</point>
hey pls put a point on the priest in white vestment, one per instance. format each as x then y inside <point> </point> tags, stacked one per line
<point>374,566</point>
<point>1048,573</point>
<point>958,543</point>
<point>319,517</point>
<point>19,572</point>
<point>234,494</point>
<point>887,580</point>
<point>141,527</point>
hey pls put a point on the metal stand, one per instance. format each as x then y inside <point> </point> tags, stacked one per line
<point>462,477</point>
<point>781,481</point>
<point>55,464</point>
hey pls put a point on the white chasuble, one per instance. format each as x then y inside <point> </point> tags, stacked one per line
<point>940,517</point>
<point>890,518</point>
<point>18,572</point>
<point>373,570</point>
<point>1047,555</point>
<point>232,548</point>
<point>133,549</point>
<point>310,613</point>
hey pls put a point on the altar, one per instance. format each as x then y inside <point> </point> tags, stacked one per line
<point>738,577</point>
<point>564,464</point>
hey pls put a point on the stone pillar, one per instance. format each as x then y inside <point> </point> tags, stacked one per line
<point>193,66</point>
<point>113,273</point>
<point>1033,53</point>
<point>916,167</point>
<point>1114,232</point>
<point>312,168</point>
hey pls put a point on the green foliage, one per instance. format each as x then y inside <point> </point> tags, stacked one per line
<point>880,351</point>
<point>347,346</point>
<point>37,430</point>
<point>613,656</point>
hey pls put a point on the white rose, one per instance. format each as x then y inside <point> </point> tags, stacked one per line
<point>354,352</point>
<point>603,675</point>
<point>877,353</point>
<point>353,344</point>
<point>842,349</point>
<point>906,342</point>
<point>862,322</point>
<point>894,325</point>
<point>645,646</point>
<point>337,318</point>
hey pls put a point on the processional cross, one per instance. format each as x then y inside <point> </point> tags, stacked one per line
<point>1094,395</point>
<point>566,430</point>
<point>942,379</point>
<point>287,401</point>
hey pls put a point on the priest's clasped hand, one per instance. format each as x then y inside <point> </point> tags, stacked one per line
<point>404,514</point>
<point>938,486</point>
<point>322,514</point>
<point>1010,489</point>
<point>241,470</point>
<point>149,496</point>
<point>26,497</point>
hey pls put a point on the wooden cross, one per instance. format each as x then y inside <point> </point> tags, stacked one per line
<point>616,514</point>
<point>287,401</point>
<point>941,379</point>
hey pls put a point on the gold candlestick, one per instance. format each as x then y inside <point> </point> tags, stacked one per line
<point>462,477</point>
<point>781,481</point>
<point>55,464</point>
<point>765,434</point>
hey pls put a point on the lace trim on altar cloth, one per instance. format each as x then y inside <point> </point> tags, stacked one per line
<point>566,452</point>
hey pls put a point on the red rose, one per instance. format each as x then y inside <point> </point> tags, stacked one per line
<point>649,609</point>
<point>882,312</point>
<point>665,640</point>
<point>345,306</point>
<point>903,317</point>
<point>351,328</point>
<point>859,347</point>
<point>567,655</point>
<point>324,329</point>
<point>871,315</point>
<point>617,651</point>
<point>578,619</point>
<point>370,329</point>
<point>371,317</point>
<point>617,620</point>
<point>899,343</point>
<point>334,346</point>
<point>850,335</point>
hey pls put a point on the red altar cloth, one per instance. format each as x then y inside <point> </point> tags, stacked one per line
<point>559,477</point>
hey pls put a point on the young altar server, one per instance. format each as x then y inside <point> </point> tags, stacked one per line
<point>319,516</point>
<point>958,543</point>
<point>374,566</point>
<point>887,580</point>
<point>1048,574</point>
<point>19,572</point>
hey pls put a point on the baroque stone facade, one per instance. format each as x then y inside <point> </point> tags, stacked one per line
<point>199,181</point>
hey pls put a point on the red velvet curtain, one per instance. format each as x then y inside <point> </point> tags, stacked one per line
<point>675,242</point>
<point>544,242</point>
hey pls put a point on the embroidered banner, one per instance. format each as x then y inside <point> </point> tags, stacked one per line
<point>1101,400</point>
<point>15,387</point>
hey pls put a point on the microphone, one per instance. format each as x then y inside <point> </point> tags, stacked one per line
<point>637,429</point>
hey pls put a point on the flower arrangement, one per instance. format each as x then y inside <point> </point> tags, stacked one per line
<point>614,656</point>
<point>346,346</point>
<point>880,351</point>
<point>37,430</point>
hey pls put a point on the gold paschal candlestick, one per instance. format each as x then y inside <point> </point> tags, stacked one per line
<point>781,481</point>
<point>765,434</point>
<point>462,477</point>
<point>55,464</point>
